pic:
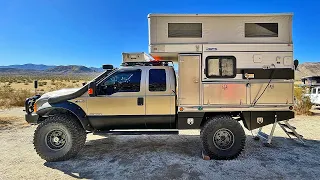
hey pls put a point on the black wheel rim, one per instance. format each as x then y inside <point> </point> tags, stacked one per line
<point>223,139</point>
<point>56,139</point>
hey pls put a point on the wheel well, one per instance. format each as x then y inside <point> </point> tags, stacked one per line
<point>54,111</point>
<point>236,115</point>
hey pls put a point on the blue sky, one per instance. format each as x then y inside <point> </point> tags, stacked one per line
<point>96,32</point>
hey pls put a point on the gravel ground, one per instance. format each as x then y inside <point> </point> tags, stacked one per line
<point>160,157</point>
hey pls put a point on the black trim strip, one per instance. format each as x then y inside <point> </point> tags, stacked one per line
<point>279,73</point>
<point>132,122</point>
<point>248,51</point>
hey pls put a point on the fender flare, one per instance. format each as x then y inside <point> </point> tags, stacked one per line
<point>69,107</point>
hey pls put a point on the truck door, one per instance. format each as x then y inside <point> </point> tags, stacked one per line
<point>120,101</point>
<point>160,98</point>
<point>189,79</point>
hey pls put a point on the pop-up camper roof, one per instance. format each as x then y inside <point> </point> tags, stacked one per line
<point>183,33</point>
<point>220,28</point>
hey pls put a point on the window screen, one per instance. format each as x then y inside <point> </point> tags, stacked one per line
<point>220,67</point>
<point>261,29</point>
<point>157,80</point>
<point>184,30</point>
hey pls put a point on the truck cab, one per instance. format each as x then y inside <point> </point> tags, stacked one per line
<point>134,96</point>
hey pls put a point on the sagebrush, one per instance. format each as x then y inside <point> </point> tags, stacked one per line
<point>303,103</point>
<point>10,97</point>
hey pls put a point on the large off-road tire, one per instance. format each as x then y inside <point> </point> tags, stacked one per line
<point>59,137</point>
<point>222,137</point>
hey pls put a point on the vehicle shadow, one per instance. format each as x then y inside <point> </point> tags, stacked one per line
<point>174,157</point>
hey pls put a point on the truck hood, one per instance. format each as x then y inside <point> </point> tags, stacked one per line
<point>60,92</point>
<point>57,93</point>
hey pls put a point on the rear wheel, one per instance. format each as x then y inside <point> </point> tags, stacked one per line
<point>58,138</point>
<point>223,137</point>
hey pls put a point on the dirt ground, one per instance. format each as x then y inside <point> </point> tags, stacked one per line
<point>159,157</point>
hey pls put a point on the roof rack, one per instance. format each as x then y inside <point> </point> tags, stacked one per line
<point>148,63</point>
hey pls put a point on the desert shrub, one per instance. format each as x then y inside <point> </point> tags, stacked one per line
<point>42,83</point>
<point>26,83</point>
<point>61,85</point>
<point>302,103</point>
<point>10,97</point>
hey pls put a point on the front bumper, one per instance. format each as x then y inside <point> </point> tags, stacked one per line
<point>32,118</point>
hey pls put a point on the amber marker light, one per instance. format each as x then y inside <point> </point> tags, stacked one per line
<point>35,107</point>
<point>90,91</point>
<point>180,108</point>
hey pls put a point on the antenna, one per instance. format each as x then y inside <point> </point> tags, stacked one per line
<point>35,83</point>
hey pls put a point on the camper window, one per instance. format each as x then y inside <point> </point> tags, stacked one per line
<point>261,29</point>
<point>220,67</point>
<point>185,30</point>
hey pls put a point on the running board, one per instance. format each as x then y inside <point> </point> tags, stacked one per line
<point>135,132</point>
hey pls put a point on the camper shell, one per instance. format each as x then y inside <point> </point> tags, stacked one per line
<point>256,50</point>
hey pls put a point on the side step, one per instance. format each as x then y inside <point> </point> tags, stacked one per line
<point>291,131</point>
<point>285,126</point>
<point>135,132</point>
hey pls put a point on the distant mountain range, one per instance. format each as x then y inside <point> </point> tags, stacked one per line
<point>307,69</point>
<point>29,67</point>
<point>41,68</point>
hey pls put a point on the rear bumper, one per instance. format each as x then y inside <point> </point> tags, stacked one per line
<point>32,118</point>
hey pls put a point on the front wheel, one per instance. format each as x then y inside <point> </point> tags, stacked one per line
<point>58,138</point>
<point>223,137</point>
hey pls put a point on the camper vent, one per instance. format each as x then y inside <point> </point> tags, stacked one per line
<point>261,29</point>
<point>185,30</point>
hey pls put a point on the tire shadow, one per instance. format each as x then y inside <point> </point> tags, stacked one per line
<point>176,157</point>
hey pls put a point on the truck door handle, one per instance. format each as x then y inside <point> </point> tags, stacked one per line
<point>140,101</point>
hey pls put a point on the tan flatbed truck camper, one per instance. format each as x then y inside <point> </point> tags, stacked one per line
<point>231,68</point>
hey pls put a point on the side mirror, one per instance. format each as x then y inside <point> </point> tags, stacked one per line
<point>296,63</point>
<point>107,66</point>
<point>92,89</point>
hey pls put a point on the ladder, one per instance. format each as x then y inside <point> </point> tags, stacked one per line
<point>285,126</point>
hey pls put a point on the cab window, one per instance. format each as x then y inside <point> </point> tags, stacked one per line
<point>157,80</point>
<point>125,81</point>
